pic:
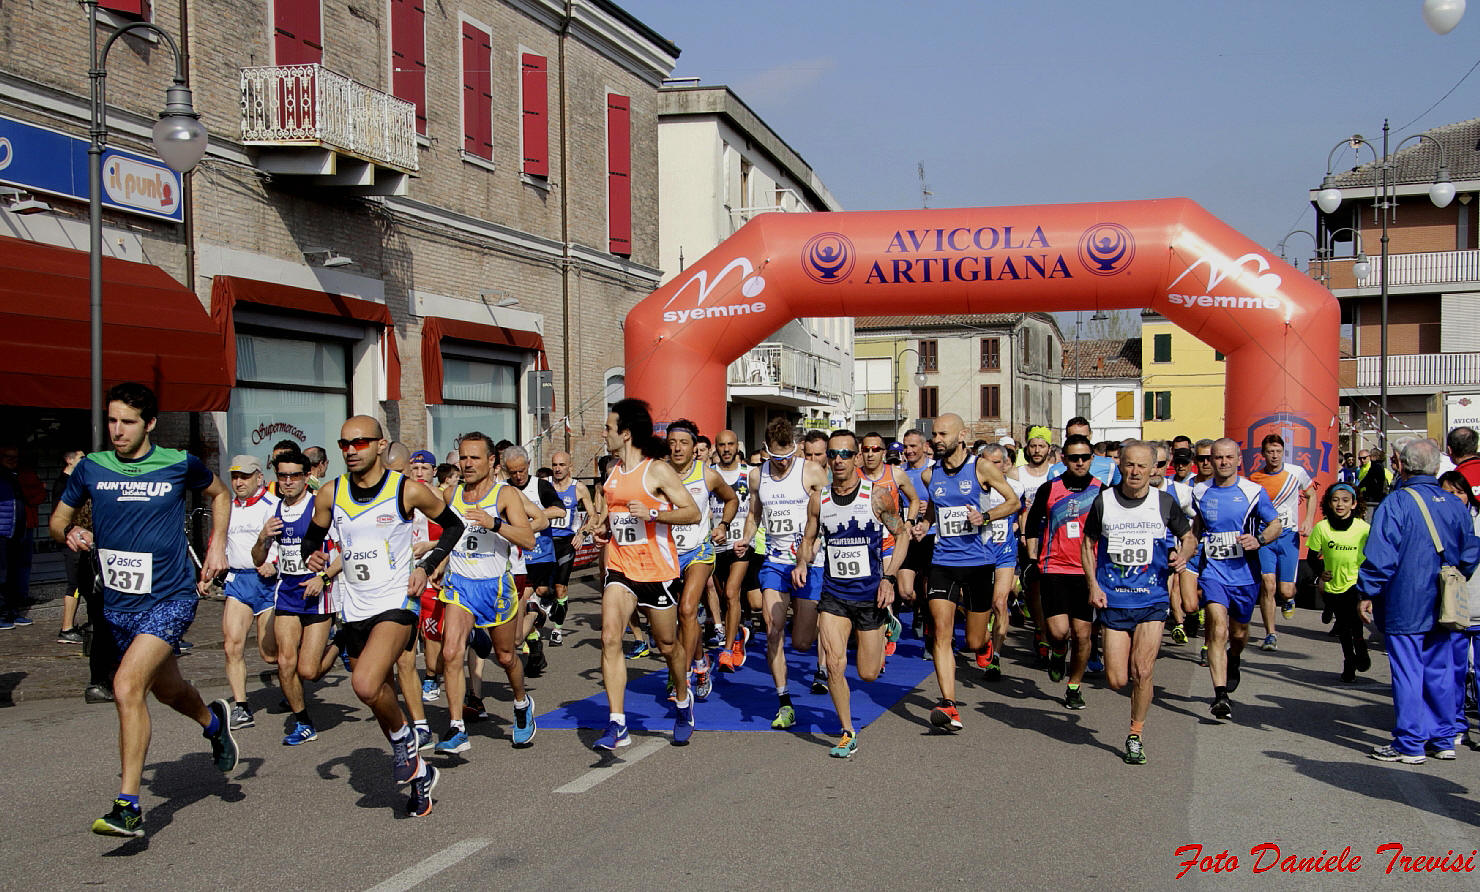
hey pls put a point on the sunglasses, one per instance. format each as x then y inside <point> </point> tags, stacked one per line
<point>357,443</point>
<point>1085,457</point>
<point>291,475</point>
<point>873,449</point>
<point>1203,458</point>
<point>845,453</point>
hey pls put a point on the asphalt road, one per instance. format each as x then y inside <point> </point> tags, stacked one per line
<point>1028,795</point>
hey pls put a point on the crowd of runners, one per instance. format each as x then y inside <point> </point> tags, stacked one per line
<point>1104,551</point>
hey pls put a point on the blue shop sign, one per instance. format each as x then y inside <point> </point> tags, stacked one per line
<point>39,159</point>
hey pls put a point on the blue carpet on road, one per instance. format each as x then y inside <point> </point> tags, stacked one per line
<point>746,700</point>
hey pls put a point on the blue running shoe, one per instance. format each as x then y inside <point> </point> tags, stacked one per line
<point>1095,665</point>
<point>223,745</point>
<point>683,725</point>
<point>404,760</point>
<point>302,733</point>
<point>425,739</point>
<point>431,692</point>
<point>639,650</point>
<point>524,724</point>
<point>615,736</point>
<point>419,805</point>
<point>20,620</point>
<point>456,741</point>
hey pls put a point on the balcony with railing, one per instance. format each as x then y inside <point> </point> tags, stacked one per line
<point>1422,269</point>
<point>1434,371</point>
<point>310,121</point>
<point>785,374</point>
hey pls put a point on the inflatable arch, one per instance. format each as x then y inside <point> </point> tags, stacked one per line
<point>1278,328</point>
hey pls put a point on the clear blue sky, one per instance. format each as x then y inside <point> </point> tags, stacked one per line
<point>1232,104</point>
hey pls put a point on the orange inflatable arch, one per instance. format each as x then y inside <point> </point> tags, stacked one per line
<point>1278,328</point>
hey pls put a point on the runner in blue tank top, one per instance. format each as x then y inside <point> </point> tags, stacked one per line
<point>957,489</point>
<point>914,573</point>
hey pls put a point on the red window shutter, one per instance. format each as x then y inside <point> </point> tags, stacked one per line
<point>477,61</point>
<point>298,33</point>
<point>408,56</point>
<point>134,9</point>
<point>536,116</point>
<point>619,173</point>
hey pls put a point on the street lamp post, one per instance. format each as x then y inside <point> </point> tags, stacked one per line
<point>920,379</point>
<point>1328,199</point>
<point>178,136</point>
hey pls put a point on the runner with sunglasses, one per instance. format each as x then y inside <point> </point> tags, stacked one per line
<point>780,489</point>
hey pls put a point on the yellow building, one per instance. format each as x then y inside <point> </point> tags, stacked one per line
<point>1181,382</point>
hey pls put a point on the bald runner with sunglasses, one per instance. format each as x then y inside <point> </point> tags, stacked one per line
<point>370,510</point>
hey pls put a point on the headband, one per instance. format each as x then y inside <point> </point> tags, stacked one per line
<point>1346,486</point>
<point>1040,433</point>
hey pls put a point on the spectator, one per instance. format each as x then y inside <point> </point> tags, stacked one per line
<point>1465,642</point>
<point>71,560</point>
<point>1373,485</point>
<point>20,493</point>
<point>318,469</point>
<point>1348,471</point>
<point>1398,586</point>
<point>1463,445</point>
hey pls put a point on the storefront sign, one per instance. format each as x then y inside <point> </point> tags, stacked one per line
<point>47,161</point>
<point>277,430</point>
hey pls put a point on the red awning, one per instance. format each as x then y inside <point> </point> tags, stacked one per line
<point>434,330</point>
<point>228,291</point>
<point>154,331</point>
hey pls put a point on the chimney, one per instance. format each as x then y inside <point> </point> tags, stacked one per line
<point>1100,363</point>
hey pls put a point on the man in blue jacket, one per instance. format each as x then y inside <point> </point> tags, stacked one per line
<point>1399,583</point>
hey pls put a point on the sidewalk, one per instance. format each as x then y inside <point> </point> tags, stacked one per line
<point>33,666</point>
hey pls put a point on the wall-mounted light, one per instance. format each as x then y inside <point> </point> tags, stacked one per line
<point>499,298</point>
<point>22,202</point>
<point>331,258</point>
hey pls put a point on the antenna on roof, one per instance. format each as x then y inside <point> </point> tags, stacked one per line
<point>925,193</point>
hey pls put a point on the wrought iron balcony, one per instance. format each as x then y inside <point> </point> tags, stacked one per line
<point>325,125</point>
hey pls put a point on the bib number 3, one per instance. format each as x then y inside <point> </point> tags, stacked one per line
<point>130,572</point>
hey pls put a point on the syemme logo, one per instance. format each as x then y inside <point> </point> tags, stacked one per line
<point>751,285</point>
<point>1264,284</point>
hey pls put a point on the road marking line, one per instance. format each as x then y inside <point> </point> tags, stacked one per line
<point>430,867</point>
<point>597,775</point>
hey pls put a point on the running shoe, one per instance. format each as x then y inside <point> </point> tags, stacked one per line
<point>404,760</point>
<point>1135,752</point>
<point>1179,635</point>
<point>181,649</point>
<point>988,653</point>
<point>524,724</point>
<point>1271,642</point>
<point>1095,665</point>
<point>481,643</point>
<point>7,623</point>
<point>1234,675</point>
<point>703,684</point>
<point>1443,752</point>
<point>425,739</point>
<point>1041,643</point>
<point>892,633</point>
<point>223,745</point>
<point>558,610</point>
<point>454,741</point>
<point>736,653</point>
<point>1074,698</point>
<point>726,661</point>
<point>1287,609</point>
<point>819,681</point>
<point>1388,754</point>
<point>97,693</point>
<point>431,692</point>
<point>1221,709</point>
<point>241,717</point>
<point>946,717</point>
<point>126,819</point>
<point>640,649</point>
<point>302,733</point>
<point>715,638</point>
<point>1202,656</point>
<point>557,636</point>
<point>1056,665</point>
<point>683,724</point>
<point>847,746</point>
<point>785,718</point>
<point>615,736</point>
<point>1364,659</point>
<point>540,610</point>
<point>419,804</point>
<point>69,636</point>
<point>536,665</point>
<point>993,670</point>
<point>473,709</point>
<point>20,620</point>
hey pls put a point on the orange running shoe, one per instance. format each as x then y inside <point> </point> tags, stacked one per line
<point>737,650</point>
<point>984,656</point>
<point>946,717</point>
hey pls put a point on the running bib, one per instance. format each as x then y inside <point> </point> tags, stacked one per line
<point>1071,529</point>
<point>1129,549</point>
<point>364,566</point>
<point>290,562</point>
<point>1222,546</point>
<point>131,572</point>
<point>737,529</point>
<point>847,561</point>
<point>1287,514</point>
<point>997,531</point>
<point>783,520</point>
<point>954,521</point>
<point>688,537</point>
<point>628,529</point>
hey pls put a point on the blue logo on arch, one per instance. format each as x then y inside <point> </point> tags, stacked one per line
<point>1106,248</point>
<point>827,257</point>
<point>1302,447</point>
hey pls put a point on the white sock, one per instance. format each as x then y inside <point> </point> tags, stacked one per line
<point>684,703</point>
<point>401,733</point>
<point>457,725</point>
<point>620,718</point>
<point>522,703</point>
<point>423,724</point>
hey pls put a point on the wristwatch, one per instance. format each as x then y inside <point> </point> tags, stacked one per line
<point>653,514</point>
<point>892,580</point>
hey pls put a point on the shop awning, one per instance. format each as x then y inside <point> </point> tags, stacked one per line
<point>154,331</point>
<point>434,330</point>
<point>228,291</point>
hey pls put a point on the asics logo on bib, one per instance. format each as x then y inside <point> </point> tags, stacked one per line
<point>115,560</point>
<point>1259,280</point>
<point>362,555</point>
<point>751,285</point>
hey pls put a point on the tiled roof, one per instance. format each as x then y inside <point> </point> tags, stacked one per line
<point>887,323</point>
<point>1419,160</point>
<point>1114,358</point>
